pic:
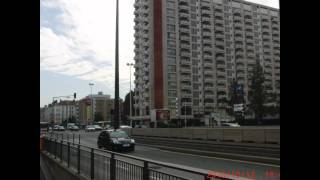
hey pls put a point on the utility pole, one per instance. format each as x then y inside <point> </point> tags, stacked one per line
<point>116,99</point>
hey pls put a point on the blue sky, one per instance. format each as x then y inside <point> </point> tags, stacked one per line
<point>77,46</point>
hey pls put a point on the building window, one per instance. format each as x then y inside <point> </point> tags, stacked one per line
<point>170,27</point>
<point>171,60</point>
<point>170,12</point>
<point>171,52</point>
<point>193,23</point>
<point>171,68</point>
<point>172,93</point>
<point>170,20</point>
<point>171,43</point>
<point>193,16</point>
<point>171,35</point>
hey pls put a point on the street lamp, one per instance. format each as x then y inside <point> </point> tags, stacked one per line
<point>130,65</point>
<point>91,84</point>
<point>116,87</point>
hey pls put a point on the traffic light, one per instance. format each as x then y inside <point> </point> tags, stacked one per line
<point>74,95</point>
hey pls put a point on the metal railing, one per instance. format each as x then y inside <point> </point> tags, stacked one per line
<point>99,164</point>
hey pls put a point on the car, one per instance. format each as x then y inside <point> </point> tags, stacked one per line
<point>97,127</point>
<point>74,128</point>
<point>230,125</point>
<point>125,127</point>
<point>90,128</point>
<point>115,140</point>
<point>59,128</point>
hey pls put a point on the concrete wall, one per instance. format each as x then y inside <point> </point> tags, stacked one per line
<point>248,134</point>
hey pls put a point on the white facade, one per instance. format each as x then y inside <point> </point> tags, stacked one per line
<point>205,45</point>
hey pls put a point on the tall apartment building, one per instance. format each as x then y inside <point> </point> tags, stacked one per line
<point>187,53</point>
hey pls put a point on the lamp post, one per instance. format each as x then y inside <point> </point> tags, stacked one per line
<point>91,84</point>
<point>116,94</point>
<point>177,111</point>
<point>130,65</point>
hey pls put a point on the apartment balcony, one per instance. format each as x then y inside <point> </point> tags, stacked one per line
<point>185,70</point>
<point>205,11</point>
<point>265,24</point>
<point>207,41</point>
<point>208,56</point>
<point>186,86</point>
<point>183,61</point>
<point>184,46</point>
<point>209,79</point>
<point>220,59</point>
<point>218,14</point>
<point>221,74</point>
<point>218,28</point>
<point>205,19</point>
<point>184,30</point>
<point>237,18</point>
<point>184,22</point>
<point>207,48</point>
<point>206,26</point>
<point>184,38</point>
<point>238,25</point>
<point>221,66</point>
<point>185,54</point>
<point>218,50</point>
<point>207,34</point>
<point>251,55</point>
<point>184,15</point>
<point>185,78</point>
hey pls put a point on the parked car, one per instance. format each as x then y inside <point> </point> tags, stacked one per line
<point>59,128</point>
<point>97,127</point>
<point>74,128</point>
<point>125,127</point>
<point>90,128</point>
<point>115,140</point>
<point>230,125</point>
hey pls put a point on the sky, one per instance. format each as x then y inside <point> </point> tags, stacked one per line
<point>77,40</point>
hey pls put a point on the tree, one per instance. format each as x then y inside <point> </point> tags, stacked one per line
<point>98,117</point>
<point>257,93</point>
<point>126,108</point>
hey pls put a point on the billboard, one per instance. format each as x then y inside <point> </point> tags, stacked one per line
<point>160,115</point>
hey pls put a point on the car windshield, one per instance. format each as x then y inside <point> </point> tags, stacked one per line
<point>118,134</point>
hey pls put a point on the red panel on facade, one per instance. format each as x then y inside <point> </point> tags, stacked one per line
<point>158,69</point>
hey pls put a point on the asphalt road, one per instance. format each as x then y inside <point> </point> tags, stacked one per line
<point>261,171</point>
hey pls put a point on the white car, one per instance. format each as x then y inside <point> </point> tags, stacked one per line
<point>90,128</point>
<point>230,125</point>
<point>97,127</point>
<point>125,127</point>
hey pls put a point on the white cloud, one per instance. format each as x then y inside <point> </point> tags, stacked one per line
<point>84,47</point>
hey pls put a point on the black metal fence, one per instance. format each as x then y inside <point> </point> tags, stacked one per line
<point>101,164</point>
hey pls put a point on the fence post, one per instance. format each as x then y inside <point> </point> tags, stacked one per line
<point>73,138</point>
<point>61,150</point>
<point>92,163</point>
<point>55,148</point>
<point>79,138</point>
<point>206,177</point>
<point>68,154</point>
<point>68,137</point>
<point>112,168</point>
<point>145,171</point>
<point>79,159</point>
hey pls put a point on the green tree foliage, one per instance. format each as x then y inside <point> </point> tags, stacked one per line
<point>257,93</point>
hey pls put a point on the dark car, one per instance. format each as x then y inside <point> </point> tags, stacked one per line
<point>115,140</point>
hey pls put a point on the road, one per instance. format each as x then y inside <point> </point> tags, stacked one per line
<point>261,171</point>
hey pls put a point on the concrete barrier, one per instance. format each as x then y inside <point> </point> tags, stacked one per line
<point>199,134</point>
<point>215,134</point>
<point>232,134</point>
<point>251,135</point>
<point>272,136</point>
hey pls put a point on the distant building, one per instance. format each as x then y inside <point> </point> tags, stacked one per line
<point>58,112</point>
<point>101,104</point>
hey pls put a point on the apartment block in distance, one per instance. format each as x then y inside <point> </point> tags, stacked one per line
<point>187,53</point>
